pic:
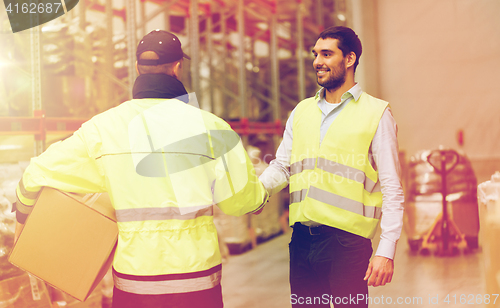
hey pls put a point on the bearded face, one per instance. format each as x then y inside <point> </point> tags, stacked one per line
<point>331,78</point>
<point>329,64</point>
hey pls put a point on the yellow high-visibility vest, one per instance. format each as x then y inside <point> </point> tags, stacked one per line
<point>334,183</point>
<point>164,171</point>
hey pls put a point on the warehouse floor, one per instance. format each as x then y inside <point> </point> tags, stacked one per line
<point>259,278</point>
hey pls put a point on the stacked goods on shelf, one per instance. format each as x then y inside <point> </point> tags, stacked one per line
<point>489,212</point>
<point>266,224</point>
<point>233,231</point>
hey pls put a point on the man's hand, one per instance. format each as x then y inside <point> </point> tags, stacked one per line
<point>379,271</point>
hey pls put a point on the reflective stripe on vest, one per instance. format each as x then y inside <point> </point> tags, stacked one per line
<point>169,284</point>
<point>297,196</point>
<point>163,213</point>
<point>305,164</point>
<point>337,169</point>
<point>344,203</point>
<point>349,173</point>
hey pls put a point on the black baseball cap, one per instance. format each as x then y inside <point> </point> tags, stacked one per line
<point>165,44</point>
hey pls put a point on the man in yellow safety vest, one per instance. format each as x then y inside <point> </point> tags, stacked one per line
<point>340,156</point>
<point>164,163</point>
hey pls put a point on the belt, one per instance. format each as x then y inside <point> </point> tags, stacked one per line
<point>317,230</point>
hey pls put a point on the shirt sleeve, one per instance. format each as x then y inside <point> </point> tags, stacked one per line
<point>277,175</point>
<point>65,165</point>
<point>385,152</point>
<point>237,189</point>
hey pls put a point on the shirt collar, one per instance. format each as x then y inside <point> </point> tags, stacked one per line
<point>355,92</point>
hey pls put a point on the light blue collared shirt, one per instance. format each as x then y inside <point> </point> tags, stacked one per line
<point>329,112</point>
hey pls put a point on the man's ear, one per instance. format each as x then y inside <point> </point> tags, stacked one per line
<point>177,69</point>
<point>137,68</point>
<point>350,59</point>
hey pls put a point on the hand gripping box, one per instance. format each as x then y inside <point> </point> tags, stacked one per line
<point>68,241</point>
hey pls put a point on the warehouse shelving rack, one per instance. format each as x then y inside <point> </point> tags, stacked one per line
<point>248,57</point>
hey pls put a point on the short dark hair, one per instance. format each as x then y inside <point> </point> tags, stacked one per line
<point>348,41</point>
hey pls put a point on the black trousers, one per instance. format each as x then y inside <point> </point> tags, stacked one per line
<point>211,298</point>
<point>328,265</point>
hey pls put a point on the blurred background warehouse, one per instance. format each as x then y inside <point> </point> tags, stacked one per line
<point>436,62</point>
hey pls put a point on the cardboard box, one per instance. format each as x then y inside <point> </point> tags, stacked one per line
<point>66,243</point>
<point>93,301</point>
<point>24,292</point>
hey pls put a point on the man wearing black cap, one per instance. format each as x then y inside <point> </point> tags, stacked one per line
<point>164,163</point>
<point>159,64</point>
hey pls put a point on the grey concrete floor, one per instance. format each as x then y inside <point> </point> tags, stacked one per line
<point>259,278</point>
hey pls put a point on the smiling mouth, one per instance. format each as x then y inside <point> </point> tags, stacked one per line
<point>320,73</point>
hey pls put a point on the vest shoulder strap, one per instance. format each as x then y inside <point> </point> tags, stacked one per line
<point>303,105</point>
<point>375,102</point>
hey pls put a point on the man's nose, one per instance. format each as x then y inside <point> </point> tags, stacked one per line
<point>317,62</point>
